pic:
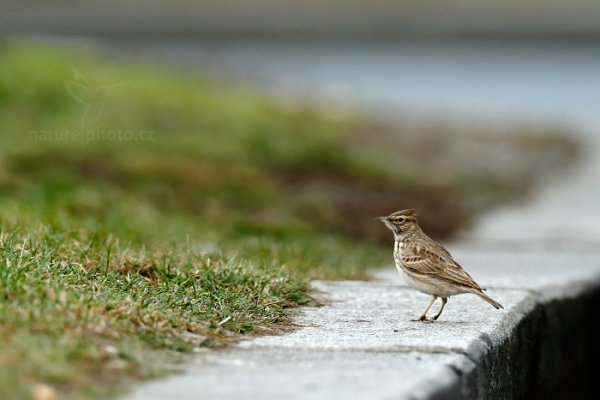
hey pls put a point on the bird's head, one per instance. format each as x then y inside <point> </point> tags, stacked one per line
<point>401,222</point>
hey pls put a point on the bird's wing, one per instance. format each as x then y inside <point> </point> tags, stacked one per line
<point>436,263</point>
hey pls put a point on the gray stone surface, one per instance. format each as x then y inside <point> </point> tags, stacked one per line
<point>307,374</point>
<point>377,317</point>
<point>565,214</point>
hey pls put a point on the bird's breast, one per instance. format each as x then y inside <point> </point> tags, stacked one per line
<point>429,285</point>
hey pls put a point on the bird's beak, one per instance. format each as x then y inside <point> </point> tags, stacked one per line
<point>382,219</point>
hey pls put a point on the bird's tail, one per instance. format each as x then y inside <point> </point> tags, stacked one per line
<point>493,302</point>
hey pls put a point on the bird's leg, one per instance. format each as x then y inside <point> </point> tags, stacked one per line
<point>444,301</point>
<point>423,316</point>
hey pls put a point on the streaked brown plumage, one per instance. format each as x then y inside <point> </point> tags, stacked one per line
<point>426,265</point>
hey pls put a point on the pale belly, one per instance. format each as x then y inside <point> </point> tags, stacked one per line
<point>435,287</point>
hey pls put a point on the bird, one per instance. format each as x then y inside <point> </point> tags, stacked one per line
<point>426,265</point>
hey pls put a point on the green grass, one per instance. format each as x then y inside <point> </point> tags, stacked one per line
<point>205,220</point>
<point>78,311</point>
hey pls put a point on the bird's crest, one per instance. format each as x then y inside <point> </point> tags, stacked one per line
<point>409,213</point>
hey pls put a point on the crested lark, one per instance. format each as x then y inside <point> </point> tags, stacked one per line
<point>426,265</point>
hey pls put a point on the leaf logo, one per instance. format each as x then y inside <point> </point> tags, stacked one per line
<point>92,98</point>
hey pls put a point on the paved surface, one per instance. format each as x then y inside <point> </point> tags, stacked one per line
<point>562,214</point>
<point>362,344</point>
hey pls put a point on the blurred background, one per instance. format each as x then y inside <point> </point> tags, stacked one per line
<point>459,104</point>
<point>265,136</point>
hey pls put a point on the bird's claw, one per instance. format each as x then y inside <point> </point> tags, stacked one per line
<point>423,318</point>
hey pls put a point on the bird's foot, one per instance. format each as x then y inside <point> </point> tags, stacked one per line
<point>423,318</point>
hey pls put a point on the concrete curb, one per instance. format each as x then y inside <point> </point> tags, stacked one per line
<point>545,348</point>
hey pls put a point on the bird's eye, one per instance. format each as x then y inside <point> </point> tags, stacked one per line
<point>401,220</point>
